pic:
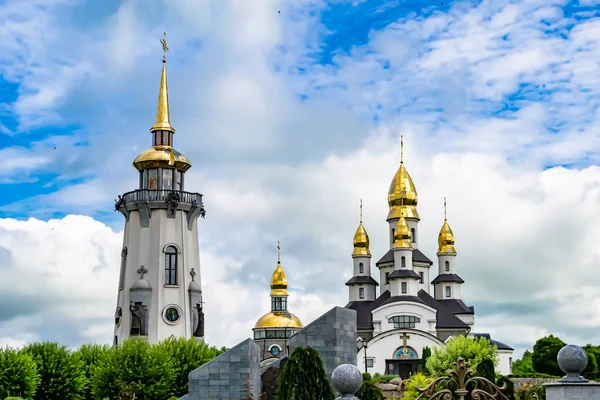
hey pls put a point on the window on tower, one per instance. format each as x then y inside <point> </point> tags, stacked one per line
<point>153,179</point>
<point>387,278</point>
<point>412,235</point>
<point>278,303</point>
<point>448,291</point>
<point>447,266</point>
<point>421,277</point>
<point>403,262</point>
<point>170,265</point>
<point>122,272</point>
<point>361,268</point>
<point>361,293</point>
<point>404,287</point>
<point>393,234</point>
<point>404,321</point>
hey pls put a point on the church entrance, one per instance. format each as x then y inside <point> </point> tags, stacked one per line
<point>405,362</point>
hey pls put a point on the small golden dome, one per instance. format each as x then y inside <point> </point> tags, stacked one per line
<point>279,282</point>
<point>402,235</point>
<point>361,239</point>
<point>402,196</point>
<point>282,319</point>
<point>446,237</point>
<point>162,156</point>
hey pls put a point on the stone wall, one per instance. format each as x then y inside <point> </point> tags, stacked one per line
<point>233,375</point>
<point>333,335</point>
<point>269,376</point>
<point>520,382</point>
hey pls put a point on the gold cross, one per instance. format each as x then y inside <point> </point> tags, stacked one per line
<point>361,211</point>
<point>445,219</point>
<point>404,338</point>
<point>163,41</point>
<point>401,149</point>
<point>278,253</point>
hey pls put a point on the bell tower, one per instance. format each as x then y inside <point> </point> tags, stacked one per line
<point>160,292</point>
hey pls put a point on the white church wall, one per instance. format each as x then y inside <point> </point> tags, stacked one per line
<point>504,362</point>
<point>425,313</point>
<point>384,346</point>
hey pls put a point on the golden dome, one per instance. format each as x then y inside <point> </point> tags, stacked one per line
<point>402,196</point>
<point>402,235</point>
<point>279,282</point>
<point>283,319</point>
<point>446,237</point>
<point>361,239</point>
<point>162,156</point>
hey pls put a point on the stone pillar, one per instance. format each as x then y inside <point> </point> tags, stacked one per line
<point>346,379</point>
<point>572,360</point>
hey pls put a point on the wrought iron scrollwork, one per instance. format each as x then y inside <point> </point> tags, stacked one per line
<point>461,382</point>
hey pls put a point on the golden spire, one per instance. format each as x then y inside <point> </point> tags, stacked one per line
<point>279,280</point>
<point>163,114</point>
<point>446,237</point>
<point>402,234</point>
<point>402,196</point>
<point>361,239</point>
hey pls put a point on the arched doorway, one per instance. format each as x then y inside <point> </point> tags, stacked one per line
<point>405,362</point>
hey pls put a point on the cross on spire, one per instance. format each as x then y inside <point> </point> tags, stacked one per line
<point>142,271</point>
<point>361,211</point>
<point>445,219</point>
<point>278,253</point>
<point>193,274</point>
<point>401,149</point>
<point>163,41</point>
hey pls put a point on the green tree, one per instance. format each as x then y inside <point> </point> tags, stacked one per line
<point>90,355</point>
<point>18,374</point>
<point>304,377</point>
<point>410,386</point>
<point>369,391</point>
<point>485,369</point>
<point>544,355</point>
<point>524,366</point>
<point>593,352</point>
<point>61,373</point>
<point>186,355</point>
<point>471,350</point>
<point>510,386</point>
<point>424,357</point>
<point>134,368</point>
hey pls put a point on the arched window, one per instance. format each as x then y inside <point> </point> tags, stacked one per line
<point>361,268</point>
<point>122,272</point>
<point>448,291</point>
<point>361,293</point>
<point>404,287</point>
<point>170,265</point>
<point>393,234</point>
<point>412,235</point>
<point>404,321</point>
<point>403,262</point>
<point>447,266</point>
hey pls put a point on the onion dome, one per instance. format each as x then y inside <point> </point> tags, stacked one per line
<point>279,282</point>
<point>402,235</point>
<point>402,196</point>
<point>279,320</point>
<point>361,239</point>
<point>446,237</point>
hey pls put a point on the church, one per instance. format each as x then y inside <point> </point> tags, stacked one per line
<point>395,326</point>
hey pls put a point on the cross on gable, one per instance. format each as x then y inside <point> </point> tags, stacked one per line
<point>142,271</point>
<point>404,338</point>
<point>193,274</point>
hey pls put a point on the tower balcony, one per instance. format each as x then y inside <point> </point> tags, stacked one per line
<point>146,200</point>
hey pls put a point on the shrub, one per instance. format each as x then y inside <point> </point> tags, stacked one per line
<point>369,391</point>
<point>424,358</point>
<point>510,387</point>
<point>134,368</point>
<point>61,373</point>
<point>410,386</point>
<point>90,355</point>
<point>304,377</point>
<point>471,350</point>
<point>534,392</point>
<point>18,374</point>
<point>378,378</point>
<point>485,369</point>
<point>544,355</point>
<point>186,355</point>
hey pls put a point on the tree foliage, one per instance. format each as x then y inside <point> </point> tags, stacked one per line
<point>473,351</point>
<point>524,366</point>
<point>304,377</point>
<point>485,369</point>
<point>90,356</point>
<point>61,372</point>
<point>544,355</point>
<point>134,368</point>
<point>369,391</point>
<point>186,355</point>
<point>593,352</point>
<point>18,374</point>
<point>424,357</point>
<point>510,386</point>
<point>410,386</point>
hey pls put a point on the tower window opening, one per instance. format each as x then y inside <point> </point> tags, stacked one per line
<point>404,287</point>
<point>413,237</point>
<point>170,265</point>
<point>387,278</point>
<point>448,291</point>
<point>167,182</point>
<point>393,234</point>
<point>278,304</point>
<point>361,293</point>
<point>361,268</point>
<point>177,185</point>
<point>447,266</point>
<point>404,321</point>
<point>403,262</point>
<point>421,277</point>
<point>152,179</point>
<point>122,272</point>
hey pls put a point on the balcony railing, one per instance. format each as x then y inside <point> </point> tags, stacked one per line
<point>178,196</point>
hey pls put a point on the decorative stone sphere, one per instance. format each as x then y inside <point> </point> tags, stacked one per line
<point>346,379</point>
<point>572,360</point>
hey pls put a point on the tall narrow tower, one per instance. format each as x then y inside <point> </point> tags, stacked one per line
<point>362,286</point>
<point>447,285</point>
<point>159,293</point>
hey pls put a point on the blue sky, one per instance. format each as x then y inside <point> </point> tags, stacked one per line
<point>290,112</point>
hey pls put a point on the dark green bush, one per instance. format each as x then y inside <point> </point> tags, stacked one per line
<point>90,355</point>
<point>186,355</point>
<point>304,377</point>
<point>61,373</point>
<point>134,368</point>
<point>424,357</point>
<point>510,387</point>
<point>535,392</point>
<point>485,369</point>
<point>369,391</point>
<point>18,374</point>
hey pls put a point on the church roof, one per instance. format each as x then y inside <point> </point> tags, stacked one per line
<point>417,256</point>
<point>445,318</point>
<point>404,273</point>
<point>362,280</point>
<point>448,278</point>
<point>499,345</point>
<point>457,306</point>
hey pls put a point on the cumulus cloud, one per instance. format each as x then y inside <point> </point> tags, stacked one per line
<point>494,100</point>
